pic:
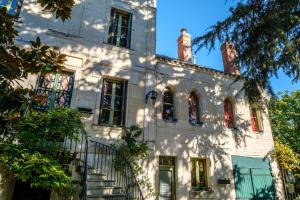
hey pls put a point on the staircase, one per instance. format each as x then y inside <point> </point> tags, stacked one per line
<point>100,188</point>
<point>100,180</point>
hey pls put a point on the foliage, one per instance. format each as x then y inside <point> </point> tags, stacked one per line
<point>21,145</point>
<point>39,156</point>
<point>61,8</point>
<point>40,170</point>
<point>267,36</point>
<point>131,151</point>
<point>285,117</point>
<point>286,157</point>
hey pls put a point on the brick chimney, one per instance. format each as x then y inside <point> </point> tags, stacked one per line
<point>229,55</point>
<point>184,46</point>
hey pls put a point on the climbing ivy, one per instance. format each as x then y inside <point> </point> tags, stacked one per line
<point>131,151</point>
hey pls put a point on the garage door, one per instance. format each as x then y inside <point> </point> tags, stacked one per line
<point>253,178</point>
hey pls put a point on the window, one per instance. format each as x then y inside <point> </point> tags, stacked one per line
<point>11,5</point>
<point>229,118</point>
<point>199,174</point>
<point>54,90</point>
<point>168,105</point>
<point>194,112</point>
<point>112,107</point>
<point>120,28</point>
<point>256,121</point>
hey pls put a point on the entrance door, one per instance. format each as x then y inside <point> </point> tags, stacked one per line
<point>253,178</point>
<point>23,191</point>
<point>167,178</point>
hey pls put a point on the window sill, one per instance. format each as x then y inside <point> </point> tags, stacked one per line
<point>198,124</point>
<point>199,194</point>
<point>119,48</point>
<point>171,121</point>
<point>105,126</point>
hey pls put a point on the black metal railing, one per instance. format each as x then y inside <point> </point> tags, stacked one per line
<point>107,161</point>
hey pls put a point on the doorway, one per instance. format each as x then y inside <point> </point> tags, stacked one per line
<point>23,191</point>
<point>167,178</point>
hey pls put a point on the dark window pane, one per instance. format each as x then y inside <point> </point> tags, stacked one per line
<point>119,89</point>
<point>117,118</point>
<point>168,97</point>
<point>106,101</point>
<point>118,103</point>
<point>104,118</point>
<point>107,88</point>
<point>168,112</point>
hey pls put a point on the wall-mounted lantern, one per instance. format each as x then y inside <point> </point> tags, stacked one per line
<point>152,95</point>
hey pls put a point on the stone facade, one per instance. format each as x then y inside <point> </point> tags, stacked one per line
<point>84,39</point>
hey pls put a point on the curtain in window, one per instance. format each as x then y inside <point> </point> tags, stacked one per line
<point>255,119</point>
<point>228,109</point>
<point>168,105</point>
<point>194,117</point>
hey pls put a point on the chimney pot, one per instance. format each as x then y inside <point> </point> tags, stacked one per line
<point>184,46</point>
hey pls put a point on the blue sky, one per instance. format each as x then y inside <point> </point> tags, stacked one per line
<point>197,16</point>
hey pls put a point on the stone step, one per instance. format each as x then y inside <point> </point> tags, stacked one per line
<point>100,183</point>
<point>96,176</point>
<point>105,191</point>
<point>107,197</point>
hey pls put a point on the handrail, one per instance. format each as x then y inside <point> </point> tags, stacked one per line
<point>104,158</point>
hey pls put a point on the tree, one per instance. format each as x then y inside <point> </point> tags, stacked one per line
<point>266,34</point>
<point>284,114</point>
<point>18,121</point>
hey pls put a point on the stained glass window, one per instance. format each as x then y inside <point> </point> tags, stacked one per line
<point>112,107</point>
<point>54,90</point>
<point>168,105</point>
<point>199,174</point>
<point>229,118</point>
<point>194,112</point>
<point>120,28</point>
<point>256,121</point>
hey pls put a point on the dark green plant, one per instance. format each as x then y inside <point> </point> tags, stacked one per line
<point>33,151</point>
<point>266,35</point>
<point>41,170</point>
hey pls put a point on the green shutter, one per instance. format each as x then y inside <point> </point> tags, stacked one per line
<point>252,178</point>
<point>263,184</point>
<point>243,183</point>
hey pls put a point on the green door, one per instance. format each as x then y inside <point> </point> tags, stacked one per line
<point>167,185</point>
<point>253,178</point>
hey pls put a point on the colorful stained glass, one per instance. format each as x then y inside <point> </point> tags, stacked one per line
<point>56,90</point>
<point>168,105</point>
<point>194,117</point>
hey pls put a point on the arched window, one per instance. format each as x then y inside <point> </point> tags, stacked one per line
<point>229,118</point>
<point>194,112</point>
<point>256,121</point>
<point>168,105</point>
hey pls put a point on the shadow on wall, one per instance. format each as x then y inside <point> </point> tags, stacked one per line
<point>84,38</point>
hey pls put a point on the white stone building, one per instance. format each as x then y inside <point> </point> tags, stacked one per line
<point>204,142</point>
